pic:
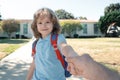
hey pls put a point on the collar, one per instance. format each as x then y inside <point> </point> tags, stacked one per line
<point>45,39</point>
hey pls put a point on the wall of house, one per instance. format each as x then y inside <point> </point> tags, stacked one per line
<point>89,29</point>
<point>25,29</point>
<point>4,35</point>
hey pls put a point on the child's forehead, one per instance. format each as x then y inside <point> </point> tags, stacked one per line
<point>45,18</point>
<point>43,15</point>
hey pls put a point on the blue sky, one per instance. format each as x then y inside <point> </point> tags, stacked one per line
<point>24,9</point>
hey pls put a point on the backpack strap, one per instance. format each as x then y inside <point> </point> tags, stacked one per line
<point>54,38</point>
<point>34,47</point>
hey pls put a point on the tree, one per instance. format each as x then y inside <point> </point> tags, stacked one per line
<point>111,15</point>
<point>111,8</point>
<point>9,26</point>
<point>0,23</point>
<point>0,17</point>
<point>108,19</point>
<point>62,14</point>
<point>0,26</point>
<point>82,18</point>
<point>70,27</point>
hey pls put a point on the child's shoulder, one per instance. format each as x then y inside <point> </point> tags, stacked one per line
<point>61,35</point>
<point>61,38</point>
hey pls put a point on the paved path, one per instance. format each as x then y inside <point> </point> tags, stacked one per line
<point>16,65</point>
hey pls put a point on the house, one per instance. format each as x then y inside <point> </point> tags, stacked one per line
<point>25,29</point>
<point>90,29</point>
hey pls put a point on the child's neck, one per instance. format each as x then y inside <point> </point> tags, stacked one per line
<point>44,36</point>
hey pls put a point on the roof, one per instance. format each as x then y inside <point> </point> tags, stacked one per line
<point>30,20</point>
<point>24,20</point>
<point>89,21</point>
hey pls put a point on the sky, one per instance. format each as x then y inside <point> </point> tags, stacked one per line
<point>24,9</point>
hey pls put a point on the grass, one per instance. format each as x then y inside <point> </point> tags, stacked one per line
<point>103,50</point>
<point>8,46</point>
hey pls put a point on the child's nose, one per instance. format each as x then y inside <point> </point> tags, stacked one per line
<point>44,24</point>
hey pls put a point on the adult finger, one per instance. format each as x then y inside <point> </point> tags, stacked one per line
<point>72,69</point>
<point>71,59</point>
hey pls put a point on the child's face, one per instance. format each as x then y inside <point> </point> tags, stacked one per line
<point>44,26</point>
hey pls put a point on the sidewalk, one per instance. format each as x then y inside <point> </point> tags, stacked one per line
<point>15,66</point>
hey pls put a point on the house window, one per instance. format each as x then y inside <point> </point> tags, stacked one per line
<point>85,28</point>
<point>96,29</point>
<point>25,28</point>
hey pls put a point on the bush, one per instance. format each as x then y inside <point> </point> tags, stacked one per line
<point>75,35</point>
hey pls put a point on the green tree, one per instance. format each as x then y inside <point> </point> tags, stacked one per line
<point>0,23</point>
<point>0,26</point>
<point>111,8</point>
<point>70,27</point>
<point>109,18</point>
<point>82,18</point>
<point>0,17</point>
<point>111,15</point>
<point>62,14</point>
<point>9,26</point>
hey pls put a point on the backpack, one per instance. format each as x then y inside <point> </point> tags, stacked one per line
<point>61,57</point>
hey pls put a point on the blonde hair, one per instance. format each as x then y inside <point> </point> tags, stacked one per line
<point>42,13</point>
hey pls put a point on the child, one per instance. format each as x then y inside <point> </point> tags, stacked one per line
<point>45,65</point>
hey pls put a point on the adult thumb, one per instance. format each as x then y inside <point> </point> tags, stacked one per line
<point>70,59</point>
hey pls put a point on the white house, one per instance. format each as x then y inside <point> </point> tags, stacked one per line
<point>25,28</point>
<point>90,28</point>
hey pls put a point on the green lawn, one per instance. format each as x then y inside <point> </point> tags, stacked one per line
<point>7,46</point>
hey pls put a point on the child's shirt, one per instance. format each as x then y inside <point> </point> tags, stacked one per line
<point>47,66</point>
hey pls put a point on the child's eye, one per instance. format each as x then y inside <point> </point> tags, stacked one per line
<point>40,23</point>
<point>48,22</point>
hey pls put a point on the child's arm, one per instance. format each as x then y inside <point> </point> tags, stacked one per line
<point>67,50</point>
<point>31,70</point>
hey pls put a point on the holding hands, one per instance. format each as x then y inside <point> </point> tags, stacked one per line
<point>79,65</point>
<point>86,67</point>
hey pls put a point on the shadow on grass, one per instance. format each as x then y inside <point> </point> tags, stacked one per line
<point>13,71</point>
<point>14,41</point>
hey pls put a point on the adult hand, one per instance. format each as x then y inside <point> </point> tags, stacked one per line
<point>86,67</point>
<point>80,65</point>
